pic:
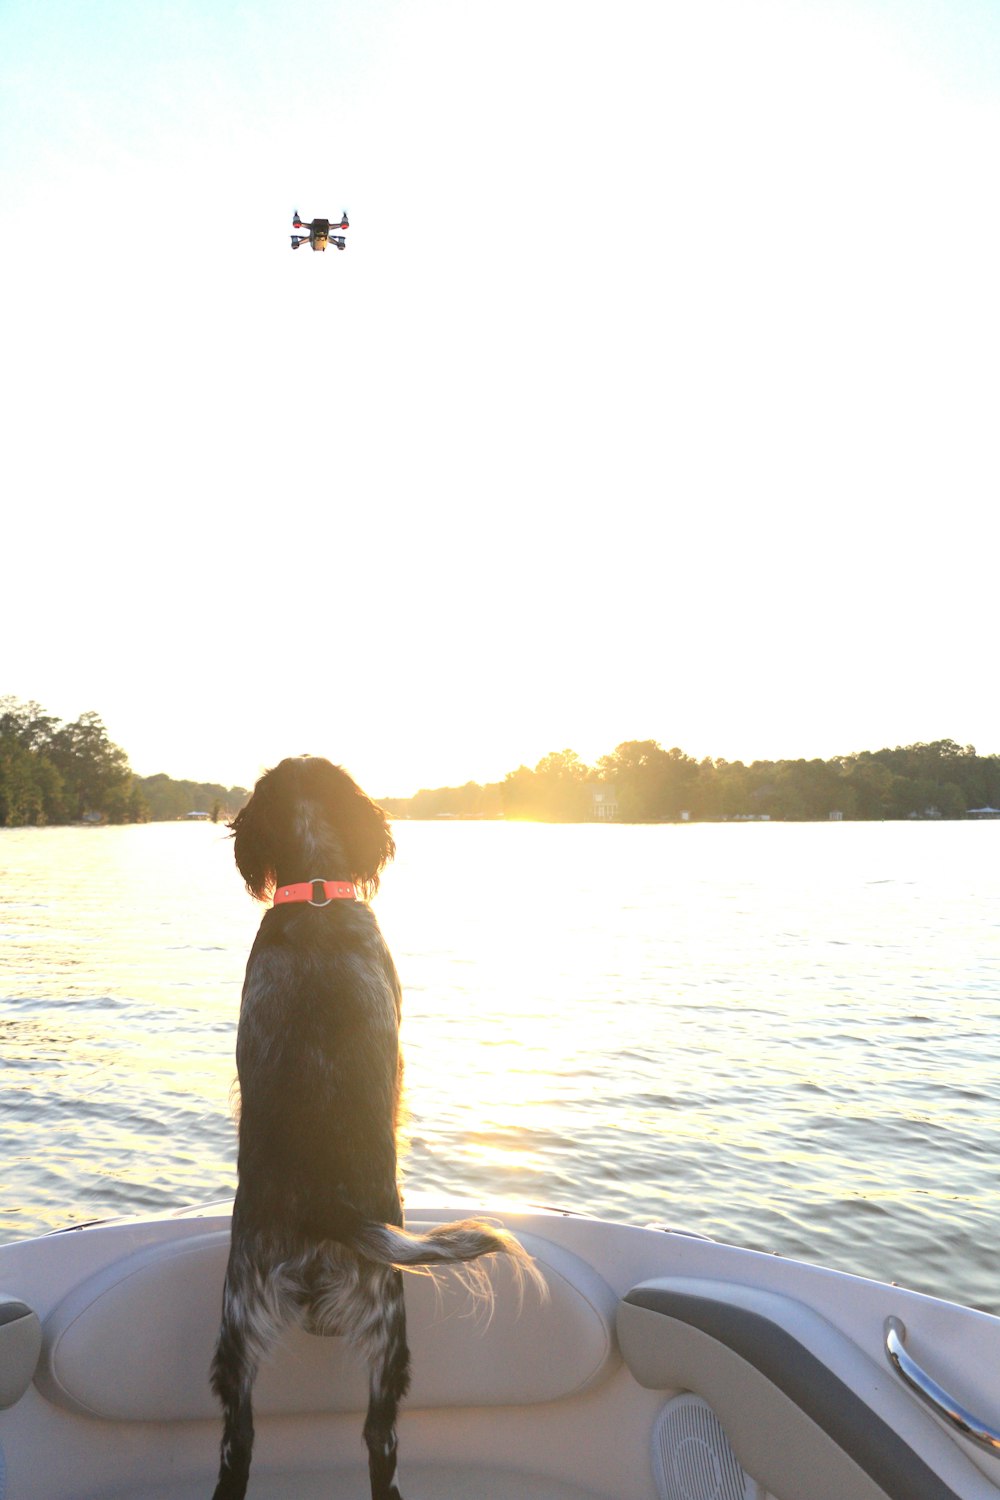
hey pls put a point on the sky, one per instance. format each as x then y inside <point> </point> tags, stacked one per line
<point>654,396</point>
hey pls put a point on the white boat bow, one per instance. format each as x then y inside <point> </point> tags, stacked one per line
<point>661,1367</point>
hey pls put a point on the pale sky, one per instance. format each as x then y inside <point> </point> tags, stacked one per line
<point>655,395</point>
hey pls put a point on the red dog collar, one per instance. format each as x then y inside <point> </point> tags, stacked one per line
<point>317,892</point>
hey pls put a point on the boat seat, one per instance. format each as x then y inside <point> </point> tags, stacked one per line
<point>134,1342</point>
<point>417,1482</point>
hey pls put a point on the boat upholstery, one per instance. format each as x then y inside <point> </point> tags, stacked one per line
<point>20,1345</point>
<point>134,1342</point>
<point>768,1364</point>
<point>418,1481</point>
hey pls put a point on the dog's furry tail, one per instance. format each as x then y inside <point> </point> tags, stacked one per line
<point>456,1244</point>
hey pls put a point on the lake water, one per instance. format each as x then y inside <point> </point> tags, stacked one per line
<point>783,1036</point>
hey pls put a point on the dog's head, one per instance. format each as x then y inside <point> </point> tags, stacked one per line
<point>305,817</point>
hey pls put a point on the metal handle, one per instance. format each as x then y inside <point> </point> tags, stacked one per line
<point>943,1405</point>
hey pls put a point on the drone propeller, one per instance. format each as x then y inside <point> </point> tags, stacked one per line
<point>296,221</point>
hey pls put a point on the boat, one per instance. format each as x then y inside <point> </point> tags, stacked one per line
<point>661,1366</point>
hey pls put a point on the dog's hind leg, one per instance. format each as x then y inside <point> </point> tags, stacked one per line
<point>233,1371</point>
<point>389,1363</point>
<point>362,1301</point>
<point>255,1305</point>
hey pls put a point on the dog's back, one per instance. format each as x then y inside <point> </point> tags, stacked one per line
<point>318,1062</point>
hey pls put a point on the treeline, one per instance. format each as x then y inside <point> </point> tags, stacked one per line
<point>468,801</point>
<point>641,782</point>
<point>167,799</point>
<point>51,772</point>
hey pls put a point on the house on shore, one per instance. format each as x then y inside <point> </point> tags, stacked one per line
<point>604,804</point>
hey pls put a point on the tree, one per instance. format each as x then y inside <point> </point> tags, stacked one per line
<point>635,768</point>
<point>626,769</point>
<point>23,784</point>
<point>27,723</point>
<point>728,792</point>
<point>95,772</point>
<point>520,794</point>
<point>678,776</point>
<point>556,791</point>
<point>809,789</point>
<point>30,785</point>
<point>869,782</point>
<point>468,801</point>
<point>562,778</point>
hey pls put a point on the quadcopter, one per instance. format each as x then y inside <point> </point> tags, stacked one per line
<point>319,232</point>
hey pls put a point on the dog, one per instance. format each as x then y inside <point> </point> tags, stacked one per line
<point>317,1229</point>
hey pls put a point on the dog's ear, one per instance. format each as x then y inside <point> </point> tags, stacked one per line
<point>364,829</point>
<point>256,840</point>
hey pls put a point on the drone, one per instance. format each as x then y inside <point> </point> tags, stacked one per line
<point>319,235</point>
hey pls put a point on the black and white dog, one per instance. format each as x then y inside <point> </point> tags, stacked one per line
<point>317,1233</point>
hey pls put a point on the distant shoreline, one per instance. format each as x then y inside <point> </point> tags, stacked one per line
<point>56,774</point>
<point>640,782</point>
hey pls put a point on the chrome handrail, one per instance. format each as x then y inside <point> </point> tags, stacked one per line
<point>945,1406</point>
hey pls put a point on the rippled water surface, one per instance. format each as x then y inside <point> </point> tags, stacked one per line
<point>784,1036</point>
